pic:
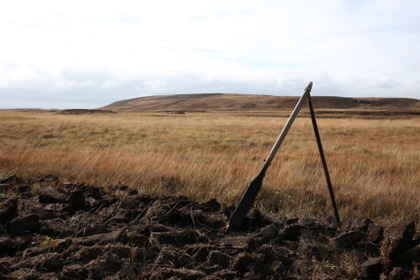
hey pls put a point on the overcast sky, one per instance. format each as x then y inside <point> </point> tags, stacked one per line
<point>87,54</point>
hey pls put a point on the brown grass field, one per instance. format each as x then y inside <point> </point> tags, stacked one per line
<point>374,163</point>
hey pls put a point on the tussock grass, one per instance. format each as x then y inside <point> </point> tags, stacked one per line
<point>374,164</point>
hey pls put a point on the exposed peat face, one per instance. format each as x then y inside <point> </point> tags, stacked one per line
<point>55,230</point>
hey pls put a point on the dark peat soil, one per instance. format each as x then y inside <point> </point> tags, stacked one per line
<point>55,230</point>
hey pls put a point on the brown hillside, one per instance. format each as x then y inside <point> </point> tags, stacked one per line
<point>248,102</point>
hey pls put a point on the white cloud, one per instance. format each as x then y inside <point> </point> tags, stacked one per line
<point>90,53</point>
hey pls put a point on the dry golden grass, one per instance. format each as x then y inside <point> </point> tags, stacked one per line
<point>374,164</point>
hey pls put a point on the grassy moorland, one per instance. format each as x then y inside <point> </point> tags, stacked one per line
<point>374,163</point>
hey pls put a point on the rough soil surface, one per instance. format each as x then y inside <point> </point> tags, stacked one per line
<point>54,230</point>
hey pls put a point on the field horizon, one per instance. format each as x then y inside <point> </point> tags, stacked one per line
<point>373,158</point>
<point>253,102</point>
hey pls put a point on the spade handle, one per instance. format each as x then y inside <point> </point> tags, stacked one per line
<point>287,126</point>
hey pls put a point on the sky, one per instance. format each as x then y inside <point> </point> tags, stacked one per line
<point>88,54</point>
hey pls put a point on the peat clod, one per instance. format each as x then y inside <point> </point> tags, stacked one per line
<point>371,269</point>
<point>20,226</point>
<point>55,230</point>
<point>398,240</point>
<point>8,210</point>
<point>347,239</point>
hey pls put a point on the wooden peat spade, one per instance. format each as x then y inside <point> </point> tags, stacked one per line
<point>254,186</point>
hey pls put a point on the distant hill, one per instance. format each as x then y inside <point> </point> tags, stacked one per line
<point>250,102</point>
